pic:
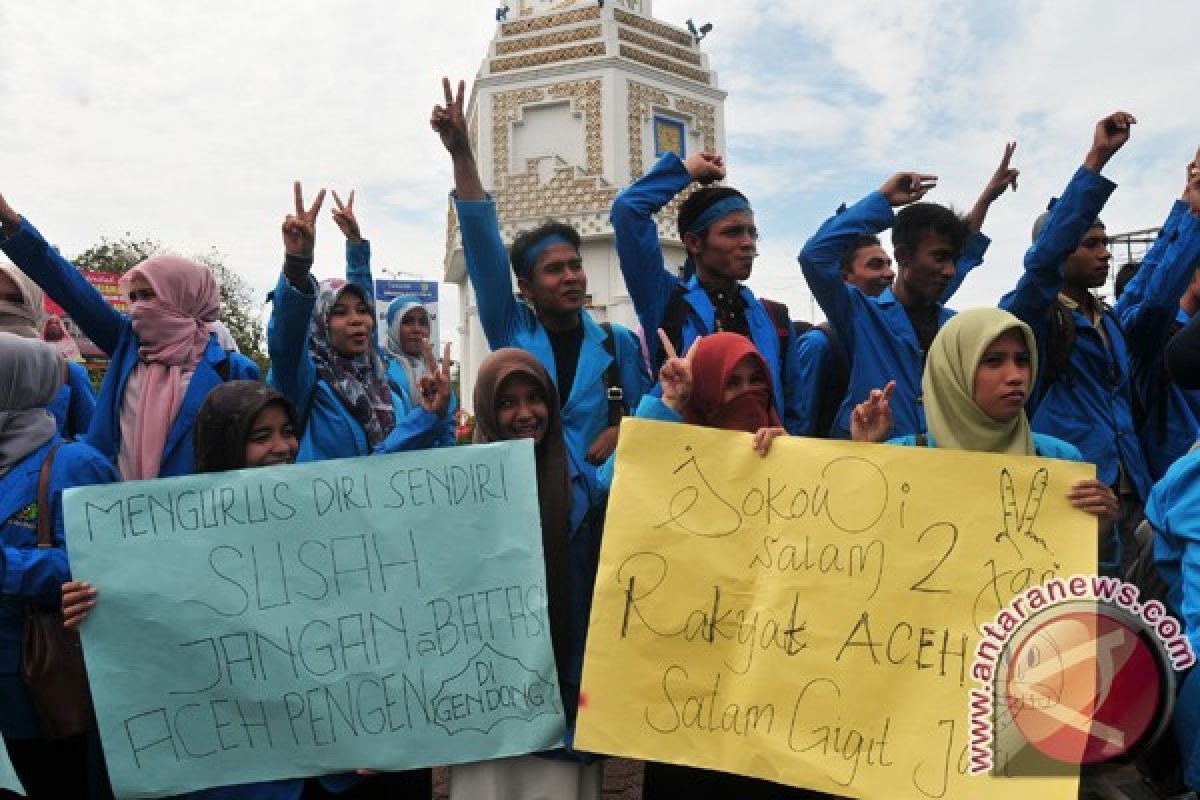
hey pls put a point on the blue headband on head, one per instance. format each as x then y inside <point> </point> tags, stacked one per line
<point>718,210</point>
<point>536,249</point>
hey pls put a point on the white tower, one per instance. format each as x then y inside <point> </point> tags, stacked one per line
<point>576,99</point>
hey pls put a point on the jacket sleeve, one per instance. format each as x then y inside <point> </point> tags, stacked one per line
<point>38,574</point>
<point>639,252</point>
<point>1066,225</point>
<point>1173,509</point>
<point>1183,356</point>
<point>810,358</point>
<point>972,257</point>
<point>358,267</point>
<point>242,368</point>
<point>796,391</point>
<point>83,400</point>
<point>487,265</point>
<point>65,285</point>
<point>293,373</point>
<point>416,430</point>
<point>821,259</point>
<point>1151,300</point>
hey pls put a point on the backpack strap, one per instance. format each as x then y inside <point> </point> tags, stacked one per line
<point>781,319</point>
<point>674,318</point>
<point>45,535</point>
<point>837,382</point>
<point>612,379</point>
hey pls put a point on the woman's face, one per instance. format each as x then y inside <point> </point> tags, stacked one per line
<point>9,291</point>
<point>521,410</point>
<point>1003,378</point>
<point>140,290</point>
<point>272,439</point>
<point>351,324</point>
<point>746,374</point>
<point>414,330</point>
<point>54,331</point>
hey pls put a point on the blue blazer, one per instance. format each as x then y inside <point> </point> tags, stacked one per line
<point>507,323</point>
<point>113,333</point>
<point>75,403</point>
<point>29,575</point>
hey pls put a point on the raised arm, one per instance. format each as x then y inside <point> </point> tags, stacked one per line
<point>647,278</point>
<point>60,280</point>
<point>1068,221</point>
<point>292,370</point>
<point>977,243</point>
<point>483,249</point>
<point>358,249</point>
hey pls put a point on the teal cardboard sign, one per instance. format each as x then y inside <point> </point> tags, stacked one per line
<point>8,775</point>
<point>386,612</point>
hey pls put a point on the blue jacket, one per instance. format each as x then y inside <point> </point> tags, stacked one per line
<point>330,431</point>
<point>1092,406</point>
<point>813,355</point>
<point>1045,446</point>
<point>29,574</point>
<point>113,333</point>
<point>875,331</point>
<point>75,403</point>
<point>507,323</point>
<point>1174,511</point>
<point>1170,417</point>
<point>651,285</point>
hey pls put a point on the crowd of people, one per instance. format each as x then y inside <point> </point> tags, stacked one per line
<point>1054,372</point>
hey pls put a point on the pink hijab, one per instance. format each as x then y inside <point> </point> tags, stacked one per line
<point>173,330</point>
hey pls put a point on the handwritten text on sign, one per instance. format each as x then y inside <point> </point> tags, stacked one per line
<point>811,617</point>
<point>385,612</point>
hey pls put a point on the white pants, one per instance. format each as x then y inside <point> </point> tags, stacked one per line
<point>525,778</point>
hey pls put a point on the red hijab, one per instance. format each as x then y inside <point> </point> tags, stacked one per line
<point>714,361</point>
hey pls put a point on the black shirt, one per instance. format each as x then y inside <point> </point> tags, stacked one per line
<point>924,322</point>
<point>566,345</point>
<point>730,311</point>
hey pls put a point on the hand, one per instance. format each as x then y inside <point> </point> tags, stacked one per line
<point>1004,177</point>
<point>1111,134</point>
<point>603,446</point>
<point>78,598</point>
<point>871,420</point>
<point>1191,189</point>
<point>343,215</point>
<point>705,167</point>
<point>1095,497</point>
<point>763,438</point>
<point>907,187</point>
<point>449,121</point>
<point>300,229</point>
<point>10,221</point>
<point>675,376</point>
<point>433,391</point>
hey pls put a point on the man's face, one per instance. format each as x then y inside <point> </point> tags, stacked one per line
<point>726,251</point>
<point>871,271</point>
<point>557,283</point>
<point>1087,267</point>
<point>927,272</point>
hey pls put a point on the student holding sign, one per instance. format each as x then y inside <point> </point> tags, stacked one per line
<point>516,399</point>
<point>245,424</point>
<point>977,380</point>
<point>31,373</point>
<point>165,356</point>
<point>324,358</point>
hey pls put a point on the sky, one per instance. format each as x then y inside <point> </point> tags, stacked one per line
<point>187,121</point>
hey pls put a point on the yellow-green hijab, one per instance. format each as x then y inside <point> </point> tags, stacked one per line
<point>949,385</point>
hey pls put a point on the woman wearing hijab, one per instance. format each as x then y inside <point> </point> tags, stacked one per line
<point>21,312</point>
<point>978,376</point>
<point>408,328</point>
<point>516,399</point>
<point>55,332</point>
<point>164,357</point>
<point>31,373</point>
<point>324,358</point>
<point>722,382</point>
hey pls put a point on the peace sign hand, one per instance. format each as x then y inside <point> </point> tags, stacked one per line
<point>433,389</point>
<point>907,187</point>
<point>343,215</point>
<point>449,121</point>
<point>1004,176</point>
<point>675,376</point>
<point>300,229</point>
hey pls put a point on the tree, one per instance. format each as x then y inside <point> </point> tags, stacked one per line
<point>239,311</point>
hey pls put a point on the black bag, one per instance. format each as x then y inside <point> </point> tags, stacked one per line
<point>52,657</point>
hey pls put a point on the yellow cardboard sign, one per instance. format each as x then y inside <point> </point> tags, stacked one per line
<point>811,617</point>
